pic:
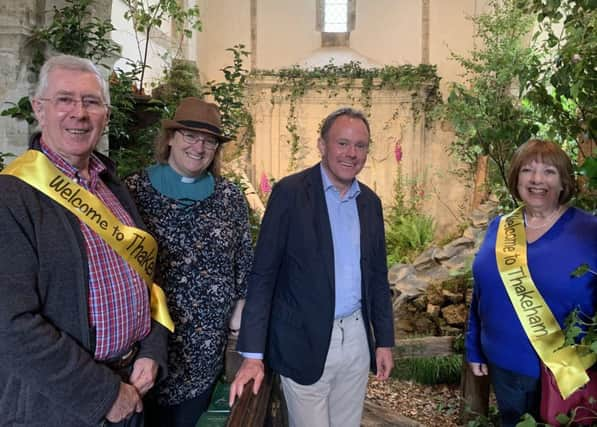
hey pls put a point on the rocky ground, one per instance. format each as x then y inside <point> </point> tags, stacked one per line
<point>433,406</point>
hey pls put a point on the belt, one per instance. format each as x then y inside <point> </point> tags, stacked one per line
<point>124,360</point>
<point>354,315</point>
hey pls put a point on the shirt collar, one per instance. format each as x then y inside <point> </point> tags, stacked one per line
<point>352,192</point>
<point>96,167</point>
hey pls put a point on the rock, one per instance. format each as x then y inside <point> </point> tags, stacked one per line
<point>409,287</point>
<point>453,248</point>
<point>425,325</point>
<point>420,302</point>
<point>452,297</point>
<point>425,260</point>
<point>403,325</point>
<point>460,262</point>
<point>434,274</point>
<point>434,294</point>
<point>475,234</point>
<point>454,314</point>
<point>433,310</point>
<point>490,205</point>
<point>450,331</point>
<point>399,272</point>
<point>480,219</point>
<point>395,293</point>
<point>469,296</point>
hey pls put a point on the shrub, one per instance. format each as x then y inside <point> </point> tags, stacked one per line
<point>407,235</point>
<point>429,370</point>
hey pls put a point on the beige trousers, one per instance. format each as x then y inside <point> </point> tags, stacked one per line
<point>336,399</point>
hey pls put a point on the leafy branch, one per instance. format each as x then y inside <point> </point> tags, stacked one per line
<point>147,16</point>
<point>230,97</point>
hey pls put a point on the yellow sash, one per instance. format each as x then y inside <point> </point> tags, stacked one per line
<point>138,248</point>
<point>568,364</point>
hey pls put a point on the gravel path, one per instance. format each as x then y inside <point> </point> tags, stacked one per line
<point>433,406</point>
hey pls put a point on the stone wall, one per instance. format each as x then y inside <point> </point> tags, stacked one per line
<point>393,121</point>
<point>17,19</point>
<point>431,296</point>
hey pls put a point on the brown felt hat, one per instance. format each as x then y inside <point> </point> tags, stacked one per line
<point>198,115</point>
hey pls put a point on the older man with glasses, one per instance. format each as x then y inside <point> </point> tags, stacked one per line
<point>82,330</point>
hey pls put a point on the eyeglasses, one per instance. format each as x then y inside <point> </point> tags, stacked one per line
<point>66,103</point>
<point>210,143</point>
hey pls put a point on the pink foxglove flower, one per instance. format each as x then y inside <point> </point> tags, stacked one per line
<point>264,184</point>
<point>398,152</point>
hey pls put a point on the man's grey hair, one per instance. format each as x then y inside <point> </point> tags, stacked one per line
<point>72,63</point>
<point>346,111</point>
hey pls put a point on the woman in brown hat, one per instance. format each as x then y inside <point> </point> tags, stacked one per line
<point>201,223</point>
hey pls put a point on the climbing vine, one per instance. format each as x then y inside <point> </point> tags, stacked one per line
<point>294,83</point>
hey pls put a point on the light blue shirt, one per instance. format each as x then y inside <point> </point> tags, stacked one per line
<point>346,237</point>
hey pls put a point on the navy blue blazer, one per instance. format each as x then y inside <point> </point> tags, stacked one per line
<point>289,312</point>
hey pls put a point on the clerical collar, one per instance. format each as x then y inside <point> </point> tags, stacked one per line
<point>187,179</point>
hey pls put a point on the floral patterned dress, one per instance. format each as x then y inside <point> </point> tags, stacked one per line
<point>204,257</point>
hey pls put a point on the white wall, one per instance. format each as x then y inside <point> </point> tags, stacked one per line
<point>388,31</point>
<point>226,23</point>
<point>162,47</point>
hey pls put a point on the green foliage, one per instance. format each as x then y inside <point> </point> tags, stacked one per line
<point>407,236</point>
<point>139,155</point>
<point>148,15</point>
<point>131,145</point>
<point>230,97</point>
<point>491,420</point>
<point>429,370</point>
<point>408,231</point>
<point>581,270</point>
<point>123,106</point>
<point>22,110</point>
<point>461,279</point>
<point>563,86</point>
<point>293,83</point>
<point>567,37</point>
<point>589,170</point>
<point>73,31</point>
<point>577,323</point>
<point>178,81</point>
<point>564,420</point>
<point>486,111</point>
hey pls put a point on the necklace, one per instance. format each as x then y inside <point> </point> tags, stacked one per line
<point>546,222</point>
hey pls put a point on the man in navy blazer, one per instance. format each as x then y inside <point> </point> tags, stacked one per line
<point>318,308</point>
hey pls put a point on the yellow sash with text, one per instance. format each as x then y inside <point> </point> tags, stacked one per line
<point>137,247</point>
<point>568,364</point>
